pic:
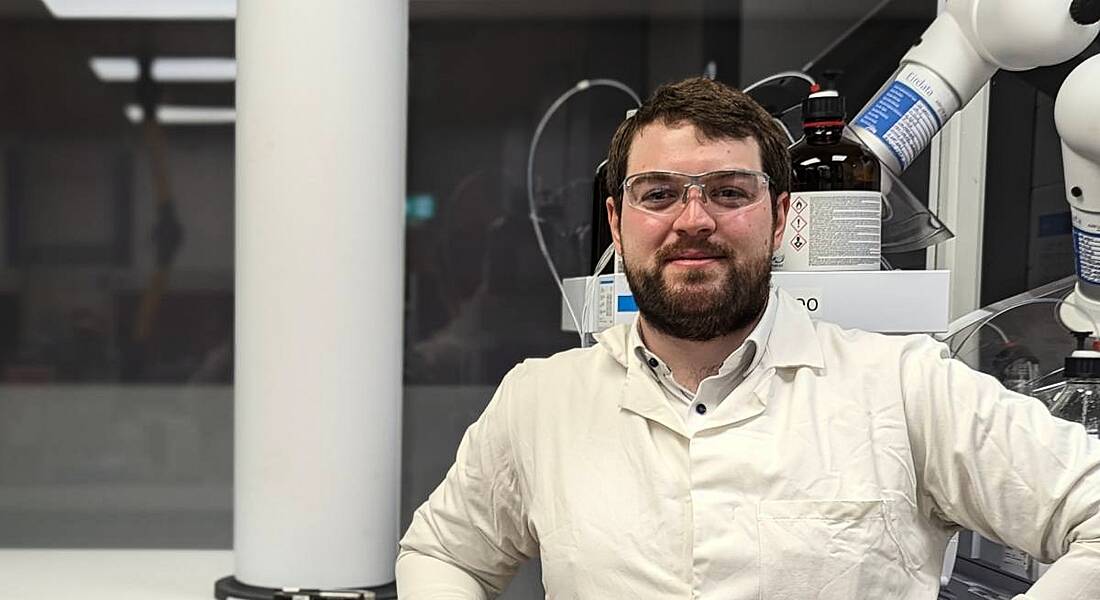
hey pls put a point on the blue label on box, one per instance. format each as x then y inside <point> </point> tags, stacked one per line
<point>1056,224</point>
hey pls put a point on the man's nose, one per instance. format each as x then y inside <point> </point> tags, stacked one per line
<point>694,219</point>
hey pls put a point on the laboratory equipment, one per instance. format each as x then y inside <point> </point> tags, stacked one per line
<point>962,49</point>
<point>1079,399</point>
<point>1016,366</point>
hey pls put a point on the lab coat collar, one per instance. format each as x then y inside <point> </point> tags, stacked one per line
<point>643,395</point>
<point>792,342</point>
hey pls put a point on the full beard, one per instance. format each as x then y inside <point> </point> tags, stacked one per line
<point>691,312</point>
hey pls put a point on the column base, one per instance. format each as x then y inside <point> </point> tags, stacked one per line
<point>228,588</point>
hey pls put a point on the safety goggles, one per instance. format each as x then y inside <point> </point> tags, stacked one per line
<point>665,193</point>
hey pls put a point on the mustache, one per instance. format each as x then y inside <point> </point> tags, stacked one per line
<point>677,249</point>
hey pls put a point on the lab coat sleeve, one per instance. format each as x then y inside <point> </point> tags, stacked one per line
<point>999,463</point>
<point>471,535</point>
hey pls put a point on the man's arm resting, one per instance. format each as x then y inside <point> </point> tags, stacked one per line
<point>472,533</point>
<point>1075,576</point>
<point>421,577</point>
<point>1000,464</point>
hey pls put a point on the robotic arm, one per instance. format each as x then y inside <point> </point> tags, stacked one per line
<point>962,49</point>
<point>1077,117</point>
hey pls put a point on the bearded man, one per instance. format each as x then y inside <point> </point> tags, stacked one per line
<point>727,447</point>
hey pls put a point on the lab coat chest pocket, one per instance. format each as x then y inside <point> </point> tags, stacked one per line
<point>828,550</point>
<point>558,552</point>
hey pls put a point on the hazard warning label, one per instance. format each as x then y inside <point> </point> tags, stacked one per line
<point>832,231</point>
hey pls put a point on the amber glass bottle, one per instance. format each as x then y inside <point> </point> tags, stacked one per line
<point>834,223</point>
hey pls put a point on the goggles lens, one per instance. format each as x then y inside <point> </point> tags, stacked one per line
<point>665,193</point>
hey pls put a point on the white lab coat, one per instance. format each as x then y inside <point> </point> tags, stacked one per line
<point>837,471</point>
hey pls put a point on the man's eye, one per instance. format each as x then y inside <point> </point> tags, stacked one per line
<point>726,193</point>
<point>658,196</point>
<point>731,197</point>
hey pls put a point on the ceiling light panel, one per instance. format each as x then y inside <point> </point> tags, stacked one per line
<point>194,69</point>
<point>134,113</point>
<point>142,9</point>
<point>195,115</point>
<point>176,70</point>
<point>115,68</point>
<point>184,115</point>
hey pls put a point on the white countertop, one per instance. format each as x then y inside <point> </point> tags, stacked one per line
<point>112,574</point>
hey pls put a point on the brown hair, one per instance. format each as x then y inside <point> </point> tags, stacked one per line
<point>719,112</point>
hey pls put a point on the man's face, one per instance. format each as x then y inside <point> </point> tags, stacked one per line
<point>695,275</point>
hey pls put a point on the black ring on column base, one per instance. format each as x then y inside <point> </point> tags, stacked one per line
<point>228,587</point>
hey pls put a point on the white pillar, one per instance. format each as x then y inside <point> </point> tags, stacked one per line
<point>321,97</point>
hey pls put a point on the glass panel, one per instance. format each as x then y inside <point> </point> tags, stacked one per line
<point>116,293</point>
<point>1027,240</point>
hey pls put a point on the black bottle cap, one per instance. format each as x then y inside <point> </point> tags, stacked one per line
<point>1082,367</point>
<point>1085,12</point>
<point>823,106</point>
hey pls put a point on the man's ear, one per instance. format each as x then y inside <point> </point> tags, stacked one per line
<point>781,205</point>
<point>613,219</point>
